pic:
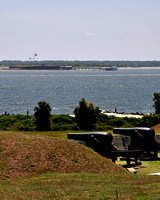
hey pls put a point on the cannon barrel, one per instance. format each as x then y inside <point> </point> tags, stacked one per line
<point>101,142</point>
<point>145,132</point>
<point>102,137</point>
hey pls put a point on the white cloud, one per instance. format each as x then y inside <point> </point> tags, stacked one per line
<point>90,34</point>
<point>34,17</point>
<point>5,39</point>
<point>142,30</point>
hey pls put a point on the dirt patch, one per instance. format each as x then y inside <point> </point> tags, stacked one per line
<point>22,155</point>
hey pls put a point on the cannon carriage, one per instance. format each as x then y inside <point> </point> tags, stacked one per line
<point>141,138</point>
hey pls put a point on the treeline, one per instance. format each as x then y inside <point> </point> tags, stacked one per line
<point>76,63</point>
<point>64,122</point>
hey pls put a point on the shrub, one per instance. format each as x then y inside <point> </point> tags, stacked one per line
<point>150,120</point>
<point>62,119</point>
<point>63,122</point>
<point>17,122</point>
<point>57,127</point>
<point>105,122</point>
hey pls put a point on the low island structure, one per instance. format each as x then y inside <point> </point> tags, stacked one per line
<point>40,67</point>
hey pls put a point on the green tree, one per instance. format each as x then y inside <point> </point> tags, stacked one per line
<point>42,115</point>
<point>156,100</point>
<point>86,115</point>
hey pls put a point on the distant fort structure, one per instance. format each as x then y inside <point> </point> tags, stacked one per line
<point>40,67</point>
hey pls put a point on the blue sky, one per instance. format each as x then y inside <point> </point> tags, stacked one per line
<point>80,29</point>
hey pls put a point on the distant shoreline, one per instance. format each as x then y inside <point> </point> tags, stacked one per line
<point>119,68</point>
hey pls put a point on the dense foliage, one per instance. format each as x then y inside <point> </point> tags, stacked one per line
<point>106,122</point>
<point>63,122</point>
<point>66,122</point>
<point>17,122</point>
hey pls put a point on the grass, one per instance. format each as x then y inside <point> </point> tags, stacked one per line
<point>157,132</point>
<point>81,186</point>
<point>55,134</point>
<point>149,167</point>
<point>41,166</point>
<point>157,129</point>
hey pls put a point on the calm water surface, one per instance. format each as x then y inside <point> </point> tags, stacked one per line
<point>128,90</point>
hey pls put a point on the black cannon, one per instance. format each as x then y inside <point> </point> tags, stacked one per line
<point>101,142</point>
<point>142,138</point>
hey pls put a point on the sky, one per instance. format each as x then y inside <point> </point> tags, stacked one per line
<point>80,29</point>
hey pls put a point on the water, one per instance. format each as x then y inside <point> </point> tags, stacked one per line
<point>128,90</point>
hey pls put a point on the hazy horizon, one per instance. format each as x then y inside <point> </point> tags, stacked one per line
<point>80,30</point>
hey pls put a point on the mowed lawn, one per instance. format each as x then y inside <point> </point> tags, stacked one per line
<point>81,186</point>
<point>30,172</point>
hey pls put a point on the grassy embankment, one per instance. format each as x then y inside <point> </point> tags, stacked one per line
<point>157,129</point>
<point>42,166</point>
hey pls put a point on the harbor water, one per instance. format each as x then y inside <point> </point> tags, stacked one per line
<point>127,90</point>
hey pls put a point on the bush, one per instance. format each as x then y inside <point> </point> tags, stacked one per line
<point>64,127</point>
<point>17,122</point>
<point>105,122</point>
<point>62,119</point>
<point>150,120</point>
<point>63,122</point>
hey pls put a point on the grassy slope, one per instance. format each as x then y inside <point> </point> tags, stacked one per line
<point>157,129</point>
<point>22,155</point>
